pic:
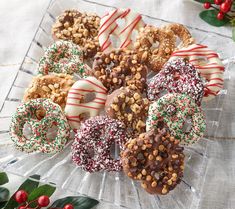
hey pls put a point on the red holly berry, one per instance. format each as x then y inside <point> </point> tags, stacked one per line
<point>207,5</point>
<point>225,7</point>
<point>21,207</point>
<point>68,206</point>
<point>43,201</point>
<point>218,2</point>
<point>220,16</point>
<point>21,196</point>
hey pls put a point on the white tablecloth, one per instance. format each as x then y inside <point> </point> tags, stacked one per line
<point>19,20</point>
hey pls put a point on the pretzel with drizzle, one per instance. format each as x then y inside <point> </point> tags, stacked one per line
<point>75,107</point>
<point>211,69</point>
<point>109,26</point>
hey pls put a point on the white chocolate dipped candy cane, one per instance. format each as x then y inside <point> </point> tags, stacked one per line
<point>74,106</point>
<point>212,70</point>
<point>109,26</point>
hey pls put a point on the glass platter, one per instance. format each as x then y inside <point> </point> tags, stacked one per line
<point>113,190</point>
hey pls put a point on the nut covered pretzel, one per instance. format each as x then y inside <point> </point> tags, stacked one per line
<point>182,33</point>
<point>53,86</point>
<point>128,105</point>
<point>156,159</point>
<point>154,46</point>
<point>120,68</point>
<point>79,27</point>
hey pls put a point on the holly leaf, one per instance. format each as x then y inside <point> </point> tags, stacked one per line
<point>42,190</point>
<point>3,178</point>
<point>29,185</point>
<point>2,204</point>
<point>233,34</point>
<point>78,202</point>
<point>204,1</point>
<point>4,194</point>
<point>210,16</point>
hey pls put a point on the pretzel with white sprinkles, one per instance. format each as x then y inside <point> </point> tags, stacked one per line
<point>27,113</point>
<point>109,26</point>
<point>211,69</point>
<point>75,107</point>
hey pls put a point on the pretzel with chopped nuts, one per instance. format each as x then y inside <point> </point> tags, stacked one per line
<point>156,159</point>
<point>182,33</point>
<point>128,105</point>
<point>81,28</point>
<point>119,68</point>
<point>154,46</point>
<point>53,86</point>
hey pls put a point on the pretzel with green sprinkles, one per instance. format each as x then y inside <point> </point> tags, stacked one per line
<point>40,115</point>
<point>175,110</point>
<point>63,57</point>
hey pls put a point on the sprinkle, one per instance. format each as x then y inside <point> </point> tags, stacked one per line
<point>63,57</point>
<point>185,107</point>
<point>177,76</point>
<point>26,114</point>
<point>91,148</point>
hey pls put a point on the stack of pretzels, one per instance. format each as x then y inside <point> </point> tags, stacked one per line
<point>132,86</point>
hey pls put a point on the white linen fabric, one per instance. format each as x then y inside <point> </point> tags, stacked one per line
<point>19,21</point>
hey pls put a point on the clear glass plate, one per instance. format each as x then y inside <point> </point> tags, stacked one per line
<point>114,190</point>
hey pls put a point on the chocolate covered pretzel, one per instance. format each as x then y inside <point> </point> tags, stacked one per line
<point>120,68</point>
<point>156,159</point>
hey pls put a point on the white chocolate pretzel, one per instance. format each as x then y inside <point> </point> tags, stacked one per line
<point>74,106</point>
<point>108,26</point>
<point>209,65</point>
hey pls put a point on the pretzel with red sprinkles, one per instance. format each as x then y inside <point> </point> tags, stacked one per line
<point>92,146</point>
<point>177,76</point>
<point>208,64</point>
